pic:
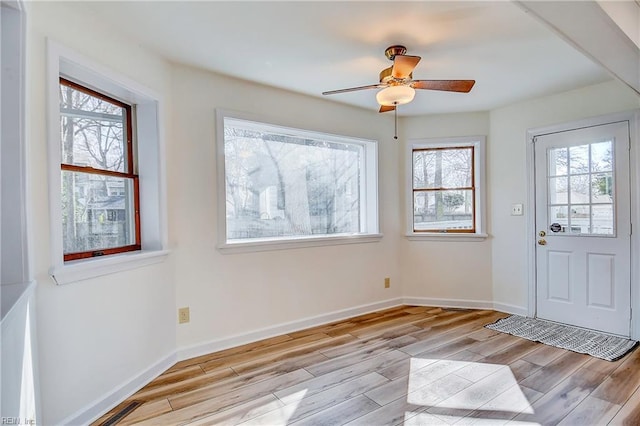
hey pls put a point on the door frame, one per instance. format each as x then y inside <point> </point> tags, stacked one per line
<point>633,117</point>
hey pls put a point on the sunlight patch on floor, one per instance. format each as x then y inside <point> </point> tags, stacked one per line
<point>281,415</point>
<point>463,392</point>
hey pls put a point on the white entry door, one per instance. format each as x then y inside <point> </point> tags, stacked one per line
<point>583,227</point>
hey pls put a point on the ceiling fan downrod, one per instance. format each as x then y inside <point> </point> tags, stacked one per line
<point>395,113</point>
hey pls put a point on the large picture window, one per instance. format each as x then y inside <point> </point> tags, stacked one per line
<point>100,213</point>
<point>288,184</point>
<point>446,186</point>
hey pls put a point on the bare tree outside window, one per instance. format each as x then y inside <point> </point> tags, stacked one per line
<point>99,189</point>
<point>581,188</point>
<point>284,186</point>
<point>443,189</point>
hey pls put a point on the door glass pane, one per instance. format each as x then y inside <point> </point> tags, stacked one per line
<point>602,188</point>
<point>581,202</point>
<point>558,162</point>
<point>602,157</point>
<point>579,159</point>
<point>579,189</point>
<point>580,219</point>
<point>558,190</point>
<point>558,219</point>
<point>602,219</point>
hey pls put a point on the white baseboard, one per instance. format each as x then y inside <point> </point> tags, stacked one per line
<point>284,328</point>
<point>96,409</point>
<point>510,309</point>
<point>465,304</point>
<point>448,303</point>
<point>100,406</point>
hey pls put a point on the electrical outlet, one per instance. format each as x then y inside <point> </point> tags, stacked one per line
<point>387,282</point>
<point>517,210</point>
<point>183,315</point>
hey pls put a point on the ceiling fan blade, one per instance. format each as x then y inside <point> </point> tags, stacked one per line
<point>463,86</point>
<point>353,89</point>
<point>385,108</point>
<point>403,65</point>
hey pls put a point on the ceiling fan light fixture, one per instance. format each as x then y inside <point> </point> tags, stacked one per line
<point>395,95</point>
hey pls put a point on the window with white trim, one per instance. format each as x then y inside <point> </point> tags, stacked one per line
<point>446,186</point>
<point>284,185</point>
<point>106,170</point>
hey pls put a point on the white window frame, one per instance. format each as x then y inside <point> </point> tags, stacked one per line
<point>479,145</point>
<point>369,191</point>
<point>65,62</point>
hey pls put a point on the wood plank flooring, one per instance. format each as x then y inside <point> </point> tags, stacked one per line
<point>407,365</point>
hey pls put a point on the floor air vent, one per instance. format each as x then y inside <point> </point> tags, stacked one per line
<point>126,410</point>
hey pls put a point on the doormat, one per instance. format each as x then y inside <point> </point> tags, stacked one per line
<point>599,345</point>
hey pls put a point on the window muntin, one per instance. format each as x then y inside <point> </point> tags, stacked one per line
<point>99,189</point>
<point>444,189</point>
<point>581,188</point>
<point>283,184</point>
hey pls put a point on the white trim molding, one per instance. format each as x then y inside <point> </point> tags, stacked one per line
<point>479,144</point>
<point>62,61</point>
<point>368,188</point>
<point>633,118</point>
<point>444,237</point>
<point>447,303</point>
<point>97,408</point>
<point>81,270</point>
<point>100,406</point>
<point>465,304</point>
<point>510,309</point>
<point>284,328</point>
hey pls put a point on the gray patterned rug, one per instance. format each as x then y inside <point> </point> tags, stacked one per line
<point>575,339</point>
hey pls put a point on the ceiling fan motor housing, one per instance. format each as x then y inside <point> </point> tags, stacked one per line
<point>386,77</point>
<point>392,51</point>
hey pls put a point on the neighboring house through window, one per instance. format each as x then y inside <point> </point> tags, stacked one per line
<point>287,185</point>
<point>106,169</point>
<point>100,198</point>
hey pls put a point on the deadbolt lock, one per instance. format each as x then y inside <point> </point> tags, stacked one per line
<point>542,233</point>
<point>542,242</point>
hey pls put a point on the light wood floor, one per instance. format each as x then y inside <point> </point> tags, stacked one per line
<point>406,365</point>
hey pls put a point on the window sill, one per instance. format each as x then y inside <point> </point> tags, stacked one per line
<point>444,236</point>
<point>79,270</point>
<point>263,245</point>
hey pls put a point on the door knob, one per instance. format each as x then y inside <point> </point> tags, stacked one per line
<point>542,242</point>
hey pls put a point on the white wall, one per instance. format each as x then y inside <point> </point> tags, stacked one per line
<point>449,270</point>
<point>19,367</point>
<point>96,335</point>
<point>232,294</point>
<point>507,172</point>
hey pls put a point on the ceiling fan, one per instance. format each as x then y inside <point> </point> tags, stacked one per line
<point>397,84</point>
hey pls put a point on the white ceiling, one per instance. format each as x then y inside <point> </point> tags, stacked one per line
<point>311,47</point>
